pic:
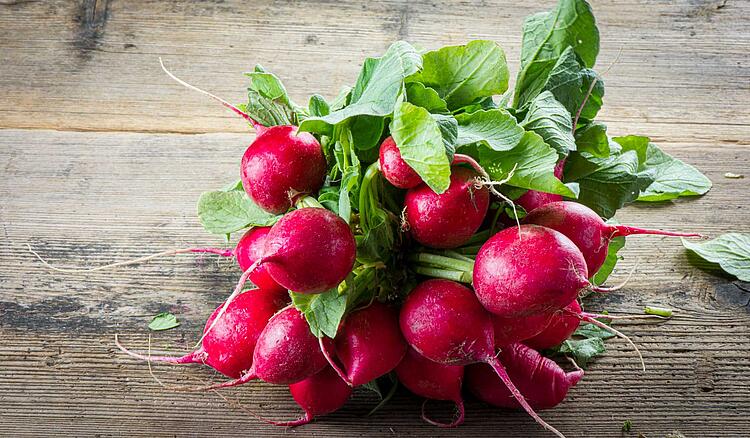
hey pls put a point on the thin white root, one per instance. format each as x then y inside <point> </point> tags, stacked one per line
<point>169,252</point>
<point>618,334</point>
<point>596,288</point>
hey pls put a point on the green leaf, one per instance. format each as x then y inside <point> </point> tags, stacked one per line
<point>420,141</point>
<point>163,321</point>
<point>366,131</point>
<point>592,138</point>
<point>534,161</point>
<point>547,35</point>
<point>548,118</point>
<point>323,311</point>
<point>377,89</point>
<point>583,350</point>
<point>731,251</point>
<point>425,97</point>
<point>268,102</point>
<point>606,184</point>
<point>672,178</point>
<point>462,75</point>
<point>496,129</point>
<point>603,273</point>
<point>592,331</point>
<point>449,130</point>
<point>223,212</point>
<point>318,106</point>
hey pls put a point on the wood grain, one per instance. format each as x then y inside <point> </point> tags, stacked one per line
<point>129,187</point>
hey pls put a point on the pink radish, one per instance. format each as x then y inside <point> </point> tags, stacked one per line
<point>229,347</point>
<point>369,344</point>
<point>394,168</point>
<point>533,199</point>
<point>279,165</point>
<point>318,395</point>
<point>444,322</point>
<point>541,381</point>
<point>434,381</point>
<point>449,219</point>
<point>528,270</point>
<point>248,250</point>
<point>560,328</point>
<point>286,352</point>
<point>586,229</point>
<point>511,330</point>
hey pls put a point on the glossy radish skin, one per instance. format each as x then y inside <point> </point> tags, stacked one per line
<point>369,343</point>
<point>318,395</point>
<point>309,250</point>
<point>533,199</point>
<point>394,168</point>
<point>586,229</point>
<point>249,249</point>
<point>512,330</point>
<point>229,347</point>
<point>540,380</point>
<point>432,380</point>
<point>287,351</point>
<point>540,271</point>
<point>449,219</point>
<point>443,321</point>
<point>560,328</point>
<point>280,164</point>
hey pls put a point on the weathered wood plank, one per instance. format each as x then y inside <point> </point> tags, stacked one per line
<point>86,198</point>
<point>67,66</point>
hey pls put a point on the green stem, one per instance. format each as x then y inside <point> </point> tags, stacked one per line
<point>367,194</point>
<point>658,311</point>
<point>461,277</point>
<point>308,201</point>
<point>453,254</point>
<point>469,250</point>
<point>442,261</point>
<point>496,217</point>
<point>479,237</point>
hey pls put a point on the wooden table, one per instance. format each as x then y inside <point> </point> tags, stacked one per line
<point>103,158</point>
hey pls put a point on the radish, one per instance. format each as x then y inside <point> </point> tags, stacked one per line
<point>432,380</point>
<point>248,250</point>
<point>229,347</point>
<point>561,327</point>
<point>541,381</point>
<point>286,352</point>
<point>586,229</point>
<point>279,165</point>
<point>449,219</point>
<point>511,330</point>
<point>529,270</point>
<point>318,395</point>
<point>394,168</point>
<point>533,199</point>
<point>369,344</point>
<point>444,322</point>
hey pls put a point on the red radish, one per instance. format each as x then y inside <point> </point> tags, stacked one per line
<point>369,344</point>
<point>229,347</point>
<point>529,270</point>
<point>286,352</point>
<point>449,219</point>
<point>444,322</point>
<point>281,164</point>
<point>318,395</point>
<point>394,168</point>
<point>560,328</point>
<point>511,330</point>
<point>248,250</point>
<point>432,380</point>
<point>541,381</point>
<point>533,199</point>
<point>586,229</point>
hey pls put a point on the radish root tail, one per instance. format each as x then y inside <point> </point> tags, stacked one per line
<point>192,357</point>
<point>503,374</point>
<point>455,423</point>
<point>617,333</point>
<point>219,251</point>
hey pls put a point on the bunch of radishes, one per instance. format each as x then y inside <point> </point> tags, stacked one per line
<point>383,237</point>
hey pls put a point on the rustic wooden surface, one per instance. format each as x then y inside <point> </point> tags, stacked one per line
<point>127,187</point>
